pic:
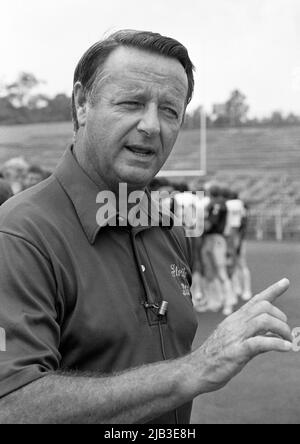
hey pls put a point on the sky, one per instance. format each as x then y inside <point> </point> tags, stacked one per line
<point>250,45</point>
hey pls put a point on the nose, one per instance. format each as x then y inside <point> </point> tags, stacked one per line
<point>149,122</point>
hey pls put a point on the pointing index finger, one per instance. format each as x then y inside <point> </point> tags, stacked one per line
<point>273,292</point>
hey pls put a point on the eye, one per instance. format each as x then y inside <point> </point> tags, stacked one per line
<point>131,103</point>
<point>170,112</point>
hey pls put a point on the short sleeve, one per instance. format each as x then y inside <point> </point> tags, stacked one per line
<point>29,328</point>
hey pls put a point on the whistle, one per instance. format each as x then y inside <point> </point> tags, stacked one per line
<point>163,308</point>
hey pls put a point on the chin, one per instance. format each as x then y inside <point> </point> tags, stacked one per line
<point>137,179</point>
<point>137,183</point>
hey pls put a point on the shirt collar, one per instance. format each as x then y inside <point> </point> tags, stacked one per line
<point>83,193</point>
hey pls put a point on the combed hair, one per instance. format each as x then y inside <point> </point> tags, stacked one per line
<point>91,63</point>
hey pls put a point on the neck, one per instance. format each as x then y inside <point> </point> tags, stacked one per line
<point>120,190</point>
<point>85,163</point>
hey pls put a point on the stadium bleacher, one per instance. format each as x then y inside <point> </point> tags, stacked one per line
<point>261,163</point>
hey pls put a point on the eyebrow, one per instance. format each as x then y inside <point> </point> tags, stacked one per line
<point>141,94</point>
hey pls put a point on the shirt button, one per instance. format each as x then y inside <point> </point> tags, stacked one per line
<point>143,268</point>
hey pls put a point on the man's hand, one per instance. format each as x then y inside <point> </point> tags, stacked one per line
<point>258,327</point>
<point>144,393</point>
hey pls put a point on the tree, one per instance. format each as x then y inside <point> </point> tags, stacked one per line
<point>20,92</point>
<point>277,119</point>
<point>292,119</point>
<point>59,108</point>
<point>21,103</point>
<point>7,111</point>
<point>233,112</point>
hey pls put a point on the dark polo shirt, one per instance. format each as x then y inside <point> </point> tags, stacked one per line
<point>79,296</point>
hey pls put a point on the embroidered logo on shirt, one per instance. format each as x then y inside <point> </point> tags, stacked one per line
<point>2,340</point>
<point>181,275</point>
<point>185,290</point>
<point>178,272</point>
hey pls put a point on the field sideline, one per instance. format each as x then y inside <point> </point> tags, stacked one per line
<point>268,390</point>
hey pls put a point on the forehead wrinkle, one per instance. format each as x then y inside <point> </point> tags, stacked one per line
<point>154,77</point>
<point>142,65</point>
<point>136,85</point>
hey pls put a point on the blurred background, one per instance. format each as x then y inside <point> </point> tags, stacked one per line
<point>242,128</point>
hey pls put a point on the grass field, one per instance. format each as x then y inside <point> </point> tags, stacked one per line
<point>268,390</point>
<point>41,143</point>
<point>249,149</point>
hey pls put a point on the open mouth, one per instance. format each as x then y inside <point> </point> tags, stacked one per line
<point>140,151</point>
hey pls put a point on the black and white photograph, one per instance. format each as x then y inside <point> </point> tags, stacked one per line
<point>150,214</point>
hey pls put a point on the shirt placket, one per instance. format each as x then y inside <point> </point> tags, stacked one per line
<point>153,298</point>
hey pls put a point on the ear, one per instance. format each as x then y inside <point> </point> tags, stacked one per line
<point>184,115</point>
<point>81,104</point>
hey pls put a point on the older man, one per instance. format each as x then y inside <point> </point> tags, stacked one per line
<point>86,334</point>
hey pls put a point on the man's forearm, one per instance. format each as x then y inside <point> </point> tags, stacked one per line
<point>142,394</point>
<point>135,396</point>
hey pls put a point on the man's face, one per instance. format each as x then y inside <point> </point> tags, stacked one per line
<point>133,123</point>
